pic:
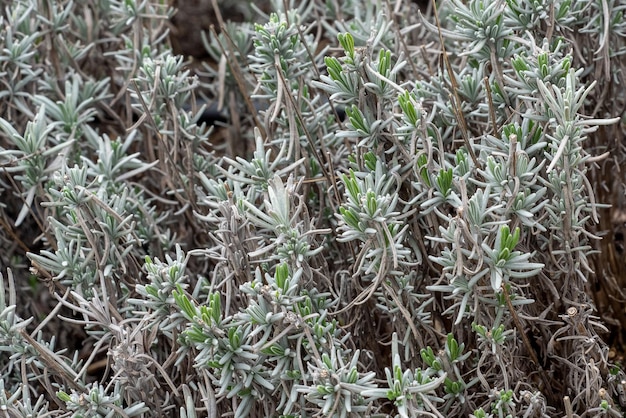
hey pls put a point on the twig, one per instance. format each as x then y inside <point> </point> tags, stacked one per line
<point>529,348</point>
<point>456,102</point>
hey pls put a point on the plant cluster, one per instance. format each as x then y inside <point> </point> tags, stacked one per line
<point>392,212</point>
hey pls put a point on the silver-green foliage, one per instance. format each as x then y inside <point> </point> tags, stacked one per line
<point>412,222</point>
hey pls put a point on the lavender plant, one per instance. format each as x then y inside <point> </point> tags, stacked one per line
<point>386,213</point>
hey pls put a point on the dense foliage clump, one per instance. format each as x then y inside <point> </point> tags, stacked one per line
<point>347,208</point>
